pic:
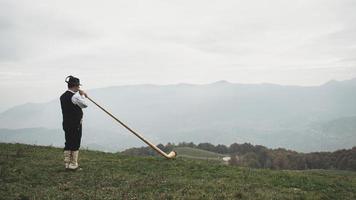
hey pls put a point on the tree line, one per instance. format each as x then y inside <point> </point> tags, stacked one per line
<point>258,156</point>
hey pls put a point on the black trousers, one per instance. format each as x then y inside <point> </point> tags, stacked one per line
<point>73,136</point>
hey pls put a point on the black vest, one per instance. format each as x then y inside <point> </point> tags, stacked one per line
<point>72,114</point>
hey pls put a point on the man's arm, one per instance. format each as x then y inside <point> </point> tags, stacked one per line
<point>78,99</point>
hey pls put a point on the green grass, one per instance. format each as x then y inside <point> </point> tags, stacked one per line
<point>188,152</point>
<point>34,172</point>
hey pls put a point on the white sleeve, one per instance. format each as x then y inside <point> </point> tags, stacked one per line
<point>79,100</point>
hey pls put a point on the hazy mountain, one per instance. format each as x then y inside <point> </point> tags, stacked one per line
<point>55,137</point>
<point>301,118</point>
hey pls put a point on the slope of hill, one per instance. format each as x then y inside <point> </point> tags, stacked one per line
<point>36,172</point>
<point>219,113</point>
<point>195,153</point>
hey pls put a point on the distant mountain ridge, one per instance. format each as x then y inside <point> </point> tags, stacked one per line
<point>292,117</point>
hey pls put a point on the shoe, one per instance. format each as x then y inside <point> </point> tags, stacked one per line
<point>67,158</point>
<point>73,165</point>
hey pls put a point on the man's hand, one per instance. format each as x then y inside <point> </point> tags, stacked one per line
<point>81,92</point>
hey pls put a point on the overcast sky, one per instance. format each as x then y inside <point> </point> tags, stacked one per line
<point>299,42</point>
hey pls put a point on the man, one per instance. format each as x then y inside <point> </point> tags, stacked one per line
<point>72,102</point>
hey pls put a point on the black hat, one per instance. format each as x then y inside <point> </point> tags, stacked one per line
<point>72,80</point>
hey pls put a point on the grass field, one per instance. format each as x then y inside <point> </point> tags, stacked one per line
<point>34,172</point>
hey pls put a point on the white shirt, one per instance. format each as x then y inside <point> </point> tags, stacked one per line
<point>78,99</point>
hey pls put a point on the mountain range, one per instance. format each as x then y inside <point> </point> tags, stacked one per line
<point>313,118</point>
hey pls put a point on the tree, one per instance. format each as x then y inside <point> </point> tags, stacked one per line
<point>221,149</point>
<point>234,159</point>
<point>206,146</point>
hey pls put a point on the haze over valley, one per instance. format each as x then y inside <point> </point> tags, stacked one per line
<point>314,118</point>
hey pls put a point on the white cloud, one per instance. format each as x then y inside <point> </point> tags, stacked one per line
<point>126,42</point>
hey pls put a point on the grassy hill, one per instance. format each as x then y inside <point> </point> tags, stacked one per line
<point>36,172</point>
<point>188,152</point>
